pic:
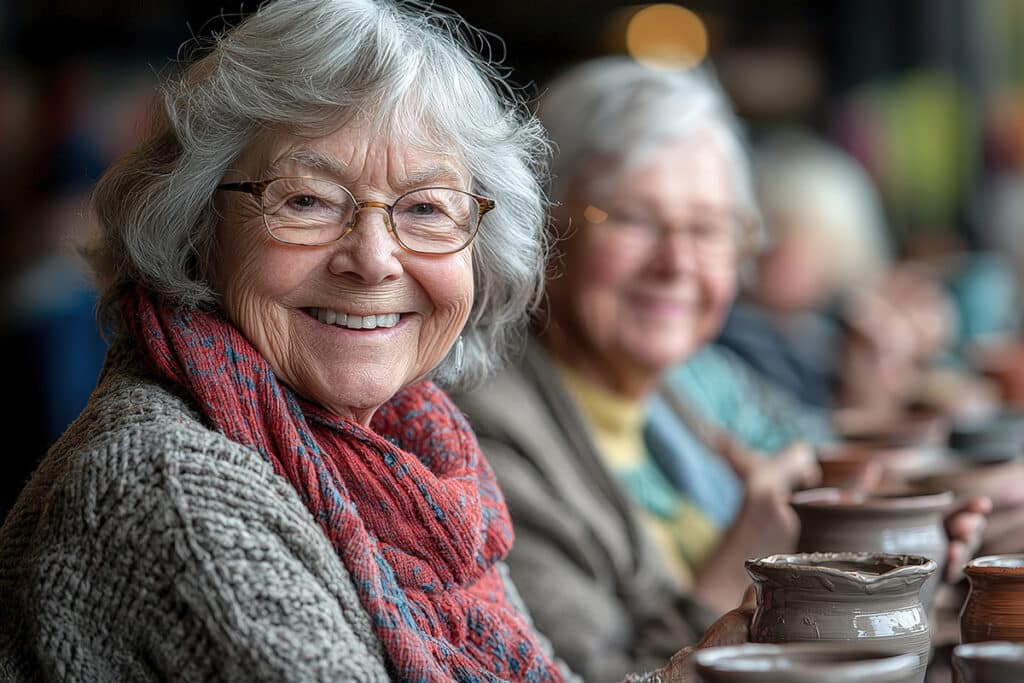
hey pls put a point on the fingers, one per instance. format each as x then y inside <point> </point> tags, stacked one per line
<point>797,466</point>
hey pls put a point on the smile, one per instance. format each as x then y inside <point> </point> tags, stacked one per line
<point>354,322</point>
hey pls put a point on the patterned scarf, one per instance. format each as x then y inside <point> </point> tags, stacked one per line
<point>410,505</point>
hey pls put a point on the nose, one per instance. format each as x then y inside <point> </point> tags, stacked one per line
<point>368,252</point>
<point>676,252</point>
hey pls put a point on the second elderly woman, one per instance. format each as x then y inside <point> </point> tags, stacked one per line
<point>653,212</point>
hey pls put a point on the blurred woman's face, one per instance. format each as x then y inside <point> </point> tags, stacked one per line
<point>350,323</point>
<point>649,264</point>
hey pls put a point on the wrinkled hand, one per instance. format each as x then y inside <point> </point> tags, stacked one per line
<point>965,527</point>
<point>732,628</point>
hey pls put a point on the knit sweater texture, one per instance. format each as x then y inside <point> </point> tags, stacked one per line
<point>148,546</point>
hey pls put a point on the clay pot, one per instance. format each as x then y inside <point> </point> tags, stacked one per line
<point>846,464</point>
<point>1002,435</point>
<point>868,599</point>
<point>994,609</point>
<point>832,520</point>
<point>989,662</point>
<point>802,663</point>
<point>973,476</point>
<point>904,429</point>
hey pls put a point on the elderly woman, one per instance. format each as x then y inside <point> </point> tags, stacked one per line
<point>654,212</point>
<point>338,208</point>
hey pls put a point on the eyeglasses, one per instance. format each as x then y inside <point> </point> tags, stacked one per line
<point>312,212</point>
<point>712,237</point>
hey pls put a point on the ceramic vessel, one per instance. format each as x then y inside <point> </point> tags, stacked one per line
<point>844,464</point>
<point>832,520</point>
<point>871,600</point>
<point>994,609</point>
<point>976,475</point>
<point>989,662</point>
<point>802,663</point>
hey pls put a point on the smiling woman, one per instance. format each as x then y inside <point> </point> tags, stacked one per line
<point>267,483</point>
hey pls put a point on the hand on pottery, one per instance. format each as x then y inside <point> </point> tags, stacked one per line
<point>765,525</point>
<point>1004,532</point>
<point>965,526</point>
<point>732,628</point>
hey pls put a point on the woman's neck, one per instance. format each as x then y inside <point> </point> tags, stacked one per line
<point>624,379</point>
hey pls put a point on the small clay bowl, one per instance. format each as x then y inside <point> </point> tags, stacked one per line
<point>989,662</point>
<point>978,476</point>
<point>994,608</point>
<point>844,463</point>
<point>803,663</point>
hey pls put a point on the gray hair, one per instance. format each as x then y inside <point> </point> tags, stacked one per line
<point>800,174</point>
<point>616,108</point>
<point>308,67</point>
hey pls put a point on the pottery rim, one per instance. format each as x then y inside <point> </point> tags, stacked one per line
<point>991,651</point>
<point>997,565</point>
<point>827,498</point>
<point>898,569</point>
<point>808,658</point>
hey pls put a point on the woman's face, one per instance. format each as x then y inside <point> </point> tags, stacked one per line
<point>274,292</point>
<point>650,266</point>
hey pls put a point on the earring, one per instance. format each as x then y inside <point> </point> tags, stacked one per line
<point>459,353</point>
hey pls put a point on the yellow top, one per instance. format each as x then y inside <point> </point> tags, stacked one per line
<point>684,534</point>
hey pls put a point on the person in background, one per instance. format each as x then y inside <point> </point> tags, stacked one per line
<point>654,213</point>
<point>268,482</point>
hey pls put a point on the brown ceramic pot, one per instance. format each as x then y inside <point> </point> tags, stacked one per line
<point>802,663</point>
<point>994,609</point>
<point>868,599</point>
<point>832,520</point>
<point>990,662</point>
<point>844,464</point>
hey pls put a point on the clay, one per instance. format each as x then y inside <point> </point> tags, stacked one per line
<point>870,600</point>
<point>990,662</point>
<point>832,520</point>
<point>994,609</point>
<point>803,663</point>
<point>844,464</point>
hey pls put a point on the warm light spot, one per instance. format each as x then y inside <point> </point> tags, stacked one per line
<point>595,215</point>
<point>666,36</point>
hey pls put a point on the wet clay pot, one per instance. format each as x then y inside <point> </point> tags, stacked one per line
<point>991,662</point>
<point>869,600</point>
<point>802,663</point>
<point>832,520</point>
<point>994,609</point>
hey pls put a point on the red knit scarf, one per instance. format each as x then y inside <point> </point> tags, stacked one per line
<point>410,505</point>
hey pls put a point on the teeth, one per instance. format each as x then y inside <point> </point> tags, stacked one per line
<point>355,322</point>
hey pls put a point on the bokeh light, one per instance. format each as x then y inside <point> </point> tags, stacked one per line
<point>666,36</point>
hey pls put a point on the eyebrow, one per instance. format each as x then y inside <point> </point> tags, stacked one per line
<point>312,159</point>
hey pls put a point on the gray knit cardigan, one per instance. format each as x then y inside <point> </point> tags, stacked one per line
<point>148,546</point>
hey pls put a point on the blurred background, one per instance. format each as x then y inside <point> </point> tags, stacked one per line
<point>928,95</point>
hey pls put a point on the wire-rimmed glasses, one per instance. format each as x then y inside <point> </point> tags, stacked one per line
<point>309,211</point>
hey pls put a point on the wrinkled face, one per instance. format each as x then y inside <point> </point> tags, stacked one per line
<point>650,270</point>
<point>395,314</point>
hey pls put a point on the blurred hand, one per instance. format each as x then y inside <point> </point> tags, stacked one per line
<point>1004,532</point>
<point>766,524</point>
<point>965,526</point>
<point>732,628</point>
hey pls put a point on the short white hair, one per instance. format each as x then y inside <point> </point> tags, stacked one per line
<point>799,174</point>
<point>614,108</point>
<point>308,67</point>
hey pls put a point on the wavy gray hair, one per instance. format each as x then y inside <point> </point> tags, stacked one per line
<point>308,67</point>
<point>614,108</point>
